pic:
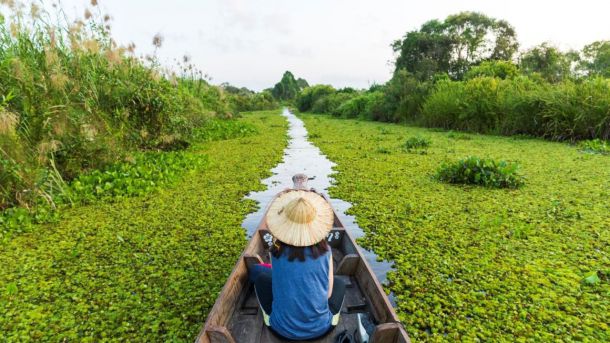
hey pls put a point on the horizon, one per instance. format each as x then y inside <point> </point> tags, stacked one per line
<point>251,44</point>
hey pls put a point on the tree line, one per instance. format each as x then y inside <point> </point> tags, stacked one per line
<point>467,73</point>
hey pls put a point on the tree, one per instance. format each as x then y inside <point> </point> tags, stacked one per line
<point>424,52</point>
<point>287,88</point>
<point>596,59</point>
<point>499,69</point>
<point>454,45</point>
<point>302,83</point>
<point>310,95</point>
<point>549,62</point>
<point>234,90</point>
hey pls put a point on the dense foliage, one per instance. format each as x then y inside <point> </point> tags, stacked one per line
<point>288,87</point>
<point>461,74</point>
<point>568,110</point>
<point>145,173</point>
<point>595,146</point>
<point>475,263</point>
<point>548,62</point>
<point>454,45</point>
<point>244,100</point>
<point>139,269</point>
<point>417,143</point>
<point>479,171</point>
<point>73,102</point>
<point>223,129</point>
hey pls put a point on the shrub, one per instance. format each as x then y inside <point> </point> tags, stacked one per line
<point>417,143</point>
<point>480,110</point>
<point>368,106</point>
<point>250,101</point>
<point>443,107</point>
<point>330,103</point>
<point>564,111</point>
<point>404,97</point>
<point>484,172</point>
<point>500,69</point>
<point>596,146</point>
<point>308,96</point>
<point>72,101</point>
<point>571,110</point>
<point>518,106</point>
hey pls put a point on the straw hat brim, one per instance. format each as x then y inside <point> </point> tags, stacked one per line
<point>300,234</point>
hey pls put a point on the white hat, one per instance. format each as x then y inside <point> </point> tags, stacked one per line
<point>300,218</point>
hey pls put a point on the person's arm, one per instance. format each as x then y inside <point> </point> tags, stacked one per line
<point>330,272</point>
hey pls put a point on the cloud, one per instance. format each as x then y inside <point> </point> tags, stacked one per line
<point>278,23</point>
<point>289,50</point>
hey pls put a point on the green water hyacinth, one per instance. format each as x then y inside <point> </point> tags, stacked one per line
<point>417,144</point>
<point>595,146</point>
<point>484,172</point>
<point>141,268</point>
<point>474,263</point>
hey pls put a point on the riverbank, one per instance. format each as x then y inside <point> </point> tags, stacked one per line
<point>477,263</point>
<point>147,268</point>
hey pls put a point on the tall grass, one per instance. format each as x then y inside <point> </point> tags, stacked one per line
<point>72,100</point>
<point>569,110</point>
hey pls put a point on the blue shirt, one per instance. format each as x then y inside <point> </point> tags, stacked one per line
<point>300,296</point>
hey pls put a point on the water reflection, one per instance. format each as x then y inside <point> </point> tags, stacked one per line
<point>303,157</point>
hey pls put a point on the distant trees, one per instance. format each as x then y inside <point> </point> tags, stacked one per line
<point>309,96</point>
<point>288,87</point>
<point>549,62</point>
<point>596,58</point>
<point>555,65</point>
<point>302,83</point>
<point>454,45</point>
<point>243,99</point>
<point>462,73</point>
<point>499,69</point>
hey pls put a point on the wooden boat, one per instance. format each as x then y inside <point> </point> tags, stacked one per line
<point>237,318</point>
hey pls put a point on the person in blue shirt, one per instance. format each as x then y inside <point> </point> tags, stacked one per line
<point>298,295</point>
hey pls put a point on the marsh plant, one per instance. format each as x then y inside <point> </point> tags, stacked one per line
<point>72,100</point>
<point>594,146</point>
<point>479,171</point>
<point>417,144</point>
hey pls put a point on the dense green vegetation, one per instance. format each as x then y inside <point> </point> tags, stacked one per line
<point>122,181</point>
<point>463,73</point>
<point>475,263</point>
<point>595,146</point>
<point>480,171</point>
<point>73,102</point>
<point>139,269</point>
<point>288,87</point>
<point>417,143</point>
<point>244,100</point>
<point>454,45</point>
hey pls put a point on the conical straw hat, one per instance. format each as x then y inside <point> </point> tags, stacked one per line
<point>300,218</point>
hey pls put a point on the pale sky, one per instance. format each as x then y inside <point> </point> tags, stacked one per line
<point>344,43</point>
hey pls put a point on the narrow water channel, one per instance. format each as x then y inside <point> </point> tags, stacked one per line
<point>301,156</point>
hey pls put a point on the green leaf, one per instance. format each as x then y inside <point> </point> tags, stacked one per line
<point>592,278</point>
